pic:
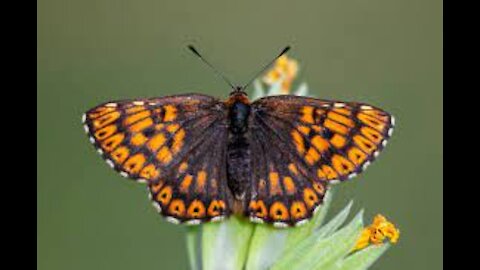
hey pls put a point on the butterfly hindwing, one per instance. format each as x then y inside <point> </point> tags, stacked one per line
<point>165,142</point>
<point>336,139</point>
<point>199,192</point>
<point>283,191</point>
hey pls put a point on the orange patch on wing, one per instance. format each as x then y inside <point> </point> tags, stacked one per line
<point>258,208</point>
<point>341,119</point>
<point>289,185</point>
<point>377,114</point>
<point>165,195</point>
<point>342,111</point>
<point>100,111</point>
<point>186,182</point>
<point>136,117</point>
<point>172,127</point>
<point>178,139</point>
<point>138,139</point>
<point>298,210</point>
<point>317,128</point>
<point>363,143</point>
<point>371,134</point>
<point>157,141</point>
<point>177,208</point>
<point>183,167</point>
<point>356,155</point>
<point>304,129</point>
<point>149,172</point>
<point>335,127</point>
<point>106,119</point>
<point>157,186</point>
<point>105,132</point>
<point>170,113</point>
<point>293,168</point>
<point>312,156</point>
<point>338,141</point>
<point>371,121</point>
<point>196,209</point>
<point>141,125</point>
<point>135,109</point>
<point>216,208</point>
<point>120,154</point>
<point>278,211</point>
<point>275,187</point>
<point>321,174</point>
<point>318,188</point>
<point>307,115</point>
<point>298,141</point>
<point>329,172</point>
<point>310,197</point>
<point>342,165</point>
<point>320,143</point>
<point>135,163</point>
<point>164,155</point>
<point>201,180</point>
<point>112,142</point>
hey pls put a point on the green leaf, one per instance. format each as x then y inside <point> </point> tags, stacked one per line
<point>336,222</point>
<point>315,249</point>
<point>275,89</point>
<point>225,244</point>
<point>340,244</point>
<point>362,259</point>
<point>266,246</point>
<point>302,90</point>
<point>258,91</point>
<point>298,234</point>
<point>193,247</point>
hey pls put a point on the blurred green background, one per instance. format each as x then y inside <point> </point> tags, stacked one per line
<point>383,52</point>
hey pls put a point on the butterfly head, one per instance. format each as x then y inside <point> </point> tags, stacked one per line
<point>238,91</point>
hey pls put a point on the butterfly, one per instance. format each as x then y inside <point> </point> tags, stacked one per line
<point>271,160</point>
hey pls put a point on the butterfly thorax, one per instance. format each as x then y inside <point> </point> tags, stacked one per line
<point>238,149</point>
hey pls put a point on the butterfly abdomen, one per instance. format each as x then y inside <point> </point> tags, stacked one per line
<point>238,149</point>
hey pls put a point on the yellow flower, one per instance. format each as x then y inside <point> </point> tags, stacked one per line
<point>380,230</point>
<point>284,70</point>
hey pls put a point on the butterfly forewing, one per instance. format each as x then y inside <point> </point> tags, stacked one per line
<point>165,142</point>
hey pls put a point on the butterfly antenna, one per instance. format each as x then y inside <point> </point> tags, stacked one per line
<point>210,65</point>
<point>285,50</point>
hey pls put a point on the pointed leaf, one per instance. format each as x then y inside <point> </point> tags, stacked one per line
<point>275,89</point>
<point>362,259</point>
<point>298,234</point>
<point>193,247</point>
<point>225,244</point>
<point>302,90</point>
<point>303,250</point>
<point>336,222</point>
<point>266,246</point>
<point>258,90</point>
